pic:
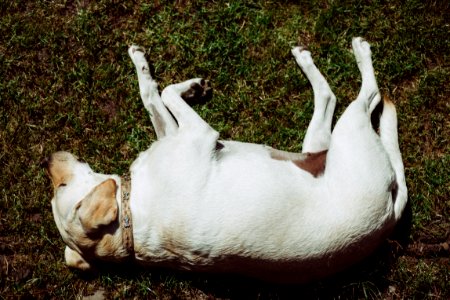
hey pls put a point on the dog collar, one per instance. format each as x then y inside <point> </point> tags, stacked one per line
<point>126,221</point>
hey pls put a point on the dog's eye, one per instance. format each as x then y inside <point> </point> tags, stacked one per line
<point>62,185</point>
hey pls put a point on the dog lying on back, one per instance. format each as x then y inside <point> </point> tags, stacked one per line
<point>195,202</point>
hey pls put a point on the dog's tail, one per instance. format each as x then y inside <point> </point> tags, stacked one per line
<point>389,138</point>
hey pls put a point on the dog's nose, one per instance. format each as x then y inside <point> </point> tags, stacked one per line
<point>45,162</point>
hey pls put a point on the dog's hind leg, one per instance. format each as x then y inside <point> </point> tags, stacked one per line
<point>369,93</point>
<point>318,135</point>
<point>356,157</point>
<point>358,113</point>
<point>389,139</point>
<point>162,120</point>
<point>370,97</point>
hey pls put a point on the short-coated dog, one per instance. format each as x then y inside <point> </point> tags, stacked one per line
<point>194,202</point>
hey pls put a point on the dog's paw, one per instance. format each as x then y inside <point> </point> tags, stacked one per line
<point>199,92</point>
<point>302,56</point>
<point>137,55</point>
<point>361,49</point>
<point>136,52</point>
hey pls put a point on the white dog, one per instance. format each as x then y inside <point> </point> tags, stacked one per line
<point>197,203</point>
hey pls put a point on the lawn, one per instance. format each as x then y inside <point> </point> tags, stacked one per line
<point>67,83</point>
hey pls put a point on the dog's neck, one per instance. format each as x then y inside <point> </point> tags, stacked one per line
<point>126,222</point>
<point>115,243</point>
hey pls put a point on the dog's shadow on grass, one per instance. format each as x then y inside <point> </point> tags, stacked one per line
<point>367,279</point>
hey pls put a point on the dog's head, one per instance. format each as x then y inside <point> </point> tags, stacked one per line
<point>84,207</point>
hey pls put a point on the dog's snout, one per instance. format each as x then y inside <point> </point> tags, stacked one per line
<point>45,162</point>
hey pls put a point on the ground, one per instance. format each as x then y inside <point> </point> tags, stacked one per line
<point>68,84</point>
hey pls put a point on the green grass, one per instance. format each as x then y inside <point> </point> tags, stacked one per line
<point>67,84</point>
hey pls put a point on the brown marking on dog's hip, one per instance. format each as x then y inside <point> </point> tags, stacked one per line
<point>313,163</point>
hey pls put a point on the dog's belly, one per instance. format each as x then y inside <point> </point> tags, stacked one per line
<point>245,212</point>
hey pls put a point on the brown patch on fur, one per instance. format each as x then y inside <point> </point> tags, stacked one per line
<point>313,163</point>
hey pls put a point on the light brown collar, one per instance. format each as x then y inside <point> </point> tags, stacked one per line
<point>126,222</point>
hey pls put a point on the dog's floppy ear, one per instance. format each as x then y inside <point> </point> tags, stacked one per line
<point>99,208</point>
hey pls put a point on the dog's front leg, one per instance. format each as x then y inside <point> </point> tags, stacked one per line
<point>75,260</point>
<point>188,120</point>
<point>162,121</point>
<point>318,135</point>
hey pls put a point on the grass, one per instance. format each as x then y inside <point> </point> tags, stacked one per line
<point>68,84</point>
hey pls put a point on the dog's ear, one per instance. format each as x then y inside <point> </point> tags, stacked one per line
<point>99,208</point>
